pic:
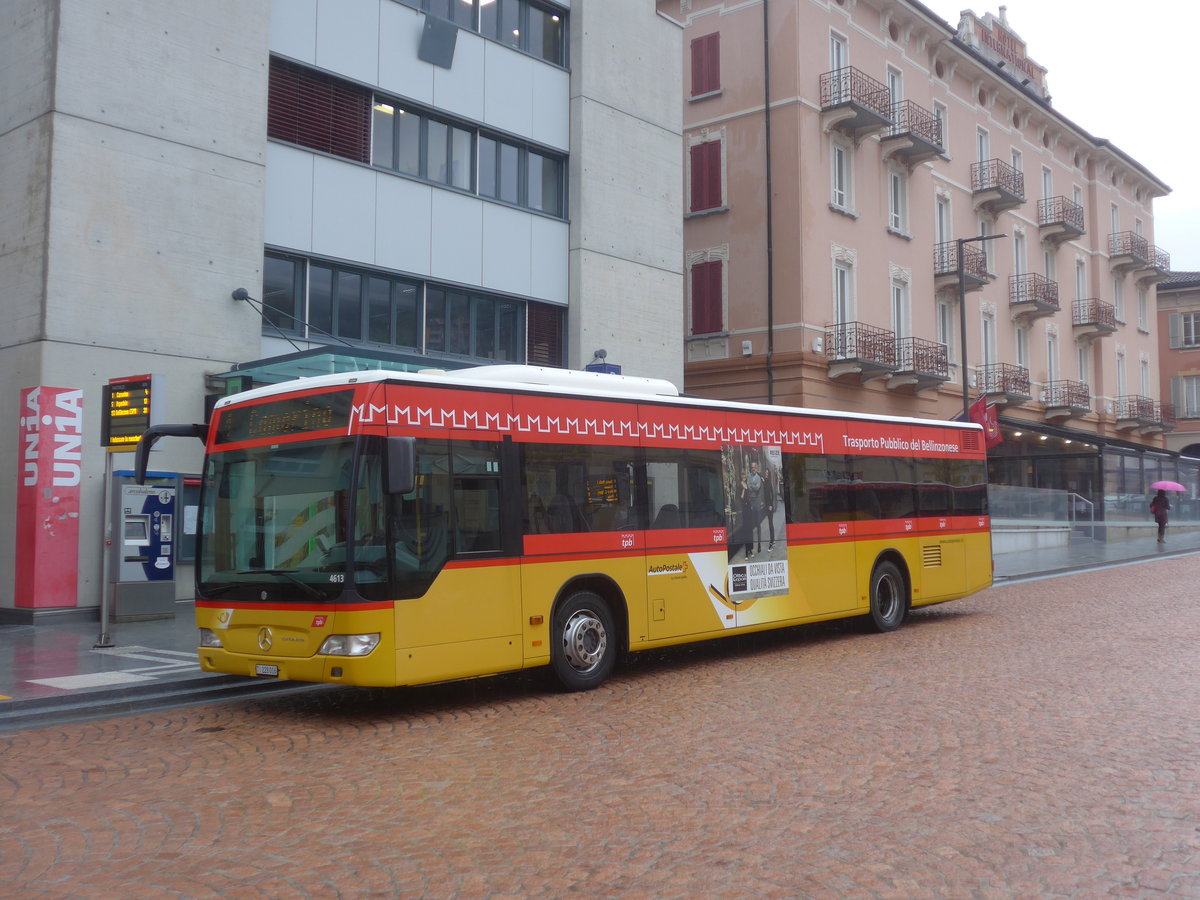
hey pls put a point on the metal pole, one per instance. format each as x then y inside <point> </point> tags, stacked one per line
<point>105,549</point>
<point>962,310</point>
<point>962,324</point>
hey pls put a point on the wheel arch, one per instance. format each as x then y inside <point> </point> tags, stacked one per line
<point>607,589</point>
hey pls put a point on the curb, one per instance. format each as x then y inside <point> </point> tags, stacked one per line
<point>20,715</point>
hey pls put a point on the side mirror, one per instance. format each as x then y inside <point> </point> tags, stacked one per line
<point>147,441</point>
<point>401,465</point>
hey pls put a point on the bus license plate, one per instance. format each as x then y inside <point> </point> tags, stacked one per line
<point>269,671</point>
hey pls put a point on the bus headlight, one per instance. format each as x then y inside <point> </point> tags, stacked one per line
<point>349,644</point>
<point>208,638</point>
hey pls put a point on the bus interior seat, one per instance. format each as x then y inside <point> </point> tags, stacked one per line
<point>668,517</point>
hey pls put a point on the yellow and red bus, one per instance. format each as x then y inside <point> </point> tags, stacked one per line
<point>384,528</point>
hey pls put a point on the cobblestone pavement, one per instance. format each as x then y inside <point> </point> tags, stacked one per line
<point>1037,740</point>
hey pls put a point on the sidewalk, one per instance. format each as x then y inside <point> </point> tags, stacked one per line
<point>52,673</point>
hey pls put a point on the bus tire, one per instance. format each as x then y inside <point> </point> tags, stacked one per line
<point>889,597</point>
<point>584,648</point>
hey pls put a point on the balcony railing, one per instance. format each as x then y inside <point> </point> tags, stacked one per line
<point>1068,394</point>
<point>1094,313</point>
<point>1004,378</point>
<point>1164,414</point>
<point>1060,219</point>
<point>1135,407</point>
<point>1161,259</point>
<point>923,357</point>
<point>1034,289</point>
<point>997,185</point>
<point>849,85</point>
<point>1129,245</point>
<point>945,261</point>
<point>920,129</point>
<point>860,342</point>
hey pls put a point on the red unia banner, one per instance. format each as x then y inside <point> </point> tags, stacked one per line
<point>48,479</point>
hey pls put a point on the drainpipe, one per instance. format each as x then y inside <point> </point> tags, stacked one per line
<point>770,233</point>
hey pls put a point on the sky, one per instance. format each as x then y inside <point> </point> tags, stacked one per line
<point>1124,71</point>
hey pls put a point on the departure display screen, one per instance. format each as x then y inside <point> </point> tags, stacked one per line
<point>285,417</point>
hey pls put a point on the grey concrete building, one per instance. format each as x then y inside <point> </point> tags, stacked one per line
<point>408,182</point>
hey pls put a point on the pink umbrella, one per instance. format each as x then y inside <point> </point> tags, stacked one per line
<point>1167,486</point>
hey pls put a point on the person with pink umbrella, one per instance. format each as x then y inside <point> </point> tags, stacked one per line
<point>1161,504</point>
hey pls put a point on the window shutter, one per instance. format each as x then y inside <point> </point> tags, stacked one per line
<point>707,297</point>
<point>1175,330</point>
<point>318,111</point>
<point>706,64</point>
<point>706,175</point>
<point>545,341</point>
<point>1177,397</point>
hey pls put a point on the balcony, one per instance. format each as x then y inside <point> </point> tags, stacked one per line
<point>1128,251</point>
<point>1004,384</point>
<point>1143,415</point>
<point>1093,319</point>
<point>915,135</point>
<point>996,186</point>
<point>1156,267</point>
<point>859,352</point>
<point>1032,296</point>
<point>920,365</point>
<point>1164,414</point>
<point>1066,400</point>
<point>945,267</point>
<point>1060,220</point>
<point>855,103</point>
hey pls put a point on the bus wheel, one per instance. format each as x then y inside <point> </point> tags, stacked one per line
<point>585,642</point>
<point>889,599</point>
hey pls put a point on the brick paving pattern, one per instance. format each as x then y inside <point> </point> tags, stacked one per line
<point>1037,740</point>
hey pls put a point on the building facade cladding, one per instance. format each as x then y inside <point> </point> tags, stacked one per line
<point>157,217</point>
<point>894,134</point>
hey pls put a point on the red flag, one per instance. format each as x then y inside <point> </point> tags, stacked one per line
<point>982,413</point>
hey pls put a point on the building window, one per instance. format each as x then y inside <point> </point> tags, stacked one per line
<point>900,312</point>
<point>319,301</point>
<point>530,27</point>
<point>533,28</point>
<point>945,328</point>
<point>1047,183</point>
<point>1022,340</point>
<point>706,64</point>
<point>317,111</point>
<point>705,161</point>
<point>843,294</point>
<point>897,202</point>
<point>941,115</point>
<point>409,141</point>
<point>982,145</point>
<point>1017,160</point>
<point>985,228</point>
<point>1185,395</point>
<point>1183,330</point>
<point>1121,377</point>
<point>708,296</point>
<point>1084,363</point>
<point>1119,298</point>
<point>514,173</point>
<point>1052,357</point>
<point>841,177</point>
<point>988,338</point>
<point>1143,310</point>
<point>313,110</point>
<point>1019,261</point>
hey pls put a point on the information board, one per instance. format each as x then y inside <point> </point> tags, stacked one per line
<point>126,411</point>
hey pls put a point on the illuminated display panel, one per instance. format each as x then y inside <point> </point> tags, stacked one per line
<point>281,418</point>
<point>126,412</point>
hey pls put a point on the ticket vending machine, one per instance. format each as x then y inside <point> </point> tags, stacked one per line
<point>142,539</point>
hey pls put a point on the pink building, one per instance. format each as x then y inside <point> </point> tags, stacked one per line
<point>832,241</point>
<point>1178,331</point>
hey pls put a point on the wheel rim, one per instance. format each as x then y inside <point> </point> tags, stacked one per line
<point>887,596</point>
<point>584,641</point>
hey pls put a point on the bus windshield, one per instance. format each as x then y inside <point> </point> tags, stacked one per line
<point>292,522</point>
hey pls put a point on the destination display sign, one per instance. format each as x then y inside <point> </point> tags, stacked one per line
<point>126,411</point>
<point>281,418</point>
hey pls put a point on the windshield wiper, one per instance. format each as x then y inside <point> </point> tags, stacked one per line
<point>303,585</point>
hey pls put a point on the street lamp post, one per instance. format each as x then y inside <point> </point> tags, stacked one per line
<point>962,311</point>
